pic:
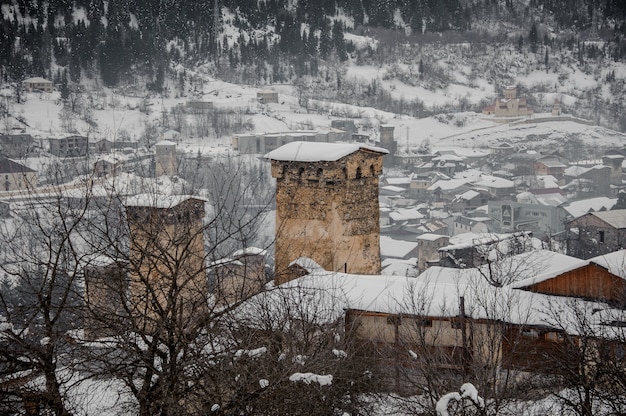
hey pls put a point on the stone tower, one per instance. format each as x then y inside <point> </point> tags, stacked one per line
<point>327,206</point>
<point>165,159</point>
<point>387,142</point>
<point>167,263</point>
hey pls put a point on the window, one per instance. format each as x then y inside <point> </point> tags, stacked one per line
<point>601,236</point>
<point>554,336</point>
<point>530,333</point>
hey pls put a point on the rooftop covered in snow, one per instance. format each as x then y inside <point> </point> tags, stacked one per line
<point>316,152</point>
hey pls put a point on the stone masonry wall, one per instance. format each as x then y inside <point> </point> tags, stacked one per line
<point>328,211</point>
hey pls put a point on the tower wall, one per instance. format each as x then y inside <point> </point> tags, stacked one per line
<point>166,159</point>
<point>328,211</point>
<point>167,271</point>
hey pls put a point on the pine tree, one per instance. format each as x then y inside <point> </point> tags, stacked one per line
<point>533,38</point>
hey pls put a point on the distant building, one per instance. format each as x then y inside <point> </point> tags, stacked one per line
<point>16,176</point>
<point>38,84</point>
<point>327,206</point>
<point>108,165</point>
<point>16,146</point>
<point>199,106</point>
<point>266,142</point>
<point>428,246</point>
<point>510,216</point>
<point>388,142</point>
<point>70,146</point>
<point>267,96</point>
<point>478,225</point>
<point>344,124</point>
<point>509,106</point>
<point>550,166</point>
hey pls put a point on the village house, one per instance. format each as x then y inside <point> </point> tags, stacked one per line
<point>108,165</point>
<point>70,146</point>
<point>16,176</point>
<point>470,200</point>
<point>511,216</point>
<point>420,182</point>
<point>476,225</point>
<point>267,96</point>
<point>38,84</point>
<point>501,150</point>
<point>550,166</point>
<point>596,233</point>
<point>327,206</point>
<point>516,315</point>
<point>585,182</point>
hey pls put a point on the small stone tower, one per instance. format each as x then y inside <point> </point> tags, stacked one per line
<point>327,206</point>
<point>165,159</point>
<point>167,263</point>
<point>387,142</point>
<point>614,161</point>
<point>556,108</point>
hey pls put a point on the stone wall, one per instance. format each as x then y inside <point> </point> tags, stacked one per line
<point>329,211</point>
<point>588,236</point>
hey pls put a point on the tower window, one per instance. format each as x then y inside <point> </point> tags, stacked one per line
<point>358,172</point>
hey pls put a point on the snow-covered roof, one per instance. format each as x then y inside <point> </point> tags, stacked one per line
<point>614,262</point>
<point>37,80</point>
<point>165,143</point>
<point>404,180</point>
<point>395,248</point>
<point>495,182</point>
<point>469,195</point>
<point>580,208</point>
<point>323,296</point>
<point>392,188</point>
<point>158,201</point>
<point>315,152</point>
<point>406,214</point>
<point>254,251</point>
<point>431,237</point>
<point>545,265</point>
<point>448,185</point>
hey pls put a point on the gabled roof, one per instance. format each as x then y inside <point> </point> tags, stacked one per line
<point>580,208</point>
<point>614,262</point>
<point>615,218</point>
<point>317,152</point>
<point>9,166</point>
